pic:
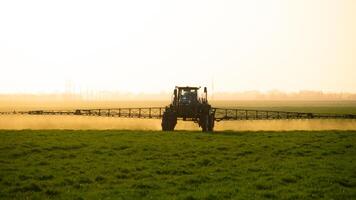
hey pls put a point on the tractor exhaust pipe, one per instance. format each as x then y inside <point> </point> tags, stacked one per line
<point>206,94</point>
<point>175,96</point>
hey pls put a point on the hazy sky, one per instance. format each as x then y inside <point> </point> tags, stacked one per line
<point>151,46</point>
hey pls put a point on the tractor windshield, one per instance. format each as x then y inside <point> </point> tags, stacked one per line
<point>188,96</point>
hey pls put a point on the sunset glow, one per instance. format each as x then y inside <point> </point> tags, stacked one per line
<point>151,46</point>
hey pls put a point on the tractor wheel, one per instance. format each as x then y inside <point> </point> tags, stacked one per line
<point>207,122</point>
<point>165,122</point>
<point>211,123</point>
<point>169,121</point>
<point>204,122</point>
<point>173,121</point>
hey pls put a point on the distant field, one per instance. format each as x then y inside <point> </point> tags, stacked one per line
<point>339,107</point>
<point>302,106</point>
<point>80,122</point>
<point>56,164</point>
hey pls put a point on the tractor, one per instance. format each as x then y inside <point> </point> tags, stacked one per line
<point>188,106</point>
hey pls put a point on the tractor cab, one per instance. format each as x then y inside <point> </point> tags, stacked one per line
<point>186,96</point>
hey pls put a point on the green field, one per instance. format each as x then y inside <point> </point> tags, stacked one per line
<point>113,164</point>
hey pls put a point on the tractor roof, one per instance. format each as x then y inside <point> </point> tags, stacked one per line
<point>187,87</point>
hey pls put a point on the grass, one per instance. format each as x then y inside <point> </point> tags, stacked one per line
<point>56,164</point>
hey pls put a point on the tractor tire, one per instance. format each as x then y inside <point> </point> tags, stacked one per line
<point>207,122</point>
<point>169,121</point>
<point>164,124</point>
<point>211,122</point>
<point>173,121</point>
<point>204,123</point>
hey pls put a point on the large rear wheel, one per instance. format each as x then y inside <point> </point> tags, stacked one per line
<point>169,121</point>
<point>211,123</point>
<point>207,122</point>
